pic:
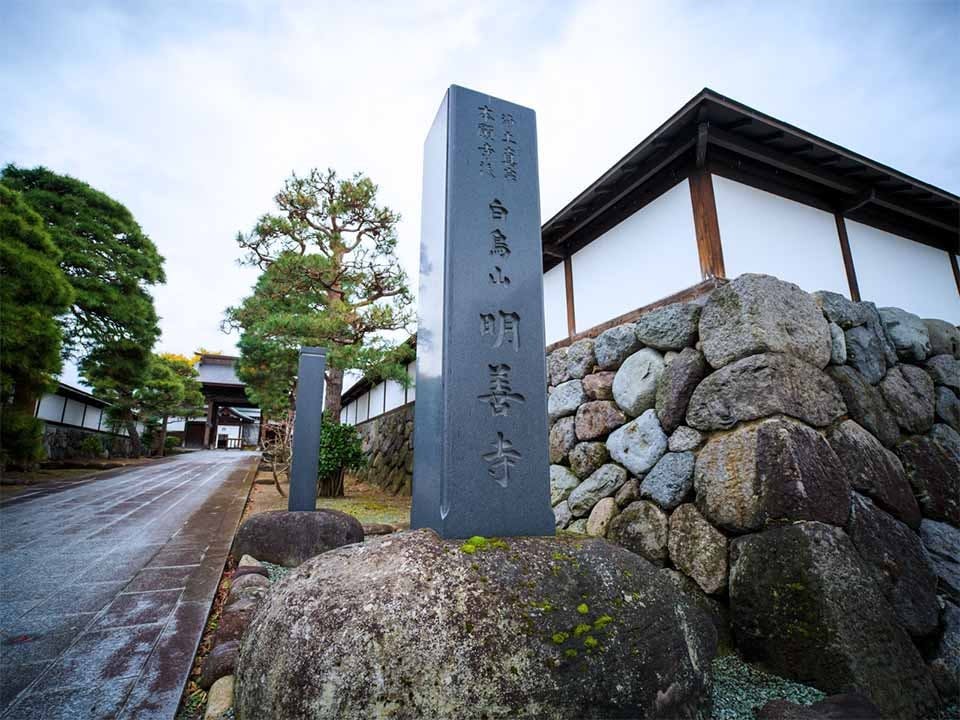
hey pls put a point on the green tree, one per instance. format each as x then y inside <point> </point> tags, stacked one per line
<point>171,388</point>
<point>331,278</point>
<point>33,291</point>
<point>108,259</point>
<point>111,264</point>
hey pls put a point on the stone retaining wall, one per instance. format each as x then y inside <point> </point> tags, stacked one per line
<point>797,457</point>
<point>388,444</point>
<point>65,443</point>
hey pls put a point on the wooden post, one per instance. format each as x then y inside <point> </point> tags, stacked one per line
<point>848,267</point>
<point>956,269</point>
<point>568,281</point>
<point>706,224</point>
<point>208,424</point>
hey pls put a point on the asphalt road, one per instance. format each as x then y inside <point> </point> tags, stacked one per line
<point>105,586</point>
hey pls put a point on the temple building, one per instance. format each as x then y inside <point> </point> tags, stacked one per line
<point>718,190</point>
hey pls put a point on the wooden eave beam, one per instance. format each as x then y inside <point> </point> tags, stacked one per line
<point>809,171</point>
<point>634,184</point>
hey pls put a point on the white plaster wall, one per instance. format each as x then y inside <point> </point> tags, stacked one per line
<point>343,414</point>
<point>395,395</point>
<point>377,393</point>
<point>895,271</point>
<point>648,256</point>
<point>412,390</point>
<point>92,419</point>
<point>51,407</point>
<point>363,407</point>
<point>554,304</point>
<point>764,233</point>
<point>74,413</point>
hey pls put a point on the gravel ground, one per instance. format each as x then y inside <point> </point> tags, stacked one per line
<point>275,572</point>
<point>739,689</point>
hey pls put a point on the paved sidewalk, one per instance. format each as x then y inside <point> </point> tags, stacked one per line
<point>105,586</point>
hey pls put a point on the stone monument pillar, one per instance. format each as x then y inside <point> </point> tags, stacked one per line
<point>480,436</point>
<point>306,429</point>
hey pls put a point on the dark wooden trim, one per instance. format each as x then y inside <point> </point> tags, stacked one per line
<point>63,413</point>
<point>956,270</point>
<point>568,282</point>
<point>595,212</point>
<point>686,295</point>
<point>706,224</point>
<point>848,266</point>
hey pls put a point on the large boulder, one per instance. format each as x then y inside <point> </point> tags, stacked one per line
<point>639,444</point>
<point>565,399</point>
<point>944,370</point>
<point>597,419</point>
<point>875,471</point>
<point>411,627</point>
<point>604,482</point>
<point>615,345</point>
<point>838,309</point>
<point>944,337</point>
<point>562,483</point>
<point>838,345</point>
<point>945,655</point>
<point>761,314</point>
<point>763,385</point>
<point>908,391</point>
<point>670,481</point>
<point>673,327</point>
<point>907,332</point>
<point>803,601</point>
<point>865,404</point>
<point>220,662</point>
<point>934,474</point>
<point>580,358</point>
<point>948,407</point>
<point>942,542</point>
<point>290,538</point>
<point>642,528</point>
<point>599,385</point>
<point>894,554</point>
<point>676,384</point>
<point>698,549</point>
<point>774,471</point>
<point>562,438</point>
<point>586,457</point>
<point>557,369</point>
<point>635,384</point>
<point>601,515</point>
<point>865,353</point>
<point>845,706</point>
<point>685,438</point>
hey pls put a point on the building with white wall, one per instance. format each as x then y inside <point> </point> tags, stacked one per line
<point>719,190</point>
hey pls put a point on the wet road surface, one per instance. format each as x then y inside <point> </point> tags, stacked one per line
<point>105,586</point>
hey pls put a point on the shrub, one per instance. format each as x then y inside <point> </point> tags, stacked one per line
<point>171,442</point>
<point>22,439</point>
<point>91,447</point>
<point>341,448</point>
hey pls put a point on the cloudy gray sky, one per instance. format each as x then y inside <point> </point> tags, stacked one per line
<point>193,113</point>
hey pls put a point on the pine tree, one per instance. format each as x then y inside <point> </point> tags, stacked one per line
<point>331,278</point>
<point>33,292</point>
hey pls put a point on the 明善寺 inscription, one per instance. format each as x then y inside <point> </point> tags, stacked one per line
<point>480,455</point>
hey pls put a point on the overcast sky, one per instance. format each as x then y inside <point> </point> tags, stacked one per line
<point>193,113</point>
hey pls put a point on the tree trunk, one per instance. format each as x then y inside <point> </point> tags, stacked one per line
<point>332,393</point>
<point>25,399</point>
<point>331,486</point>
<point>163,437</point>
<point>136,447</point>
